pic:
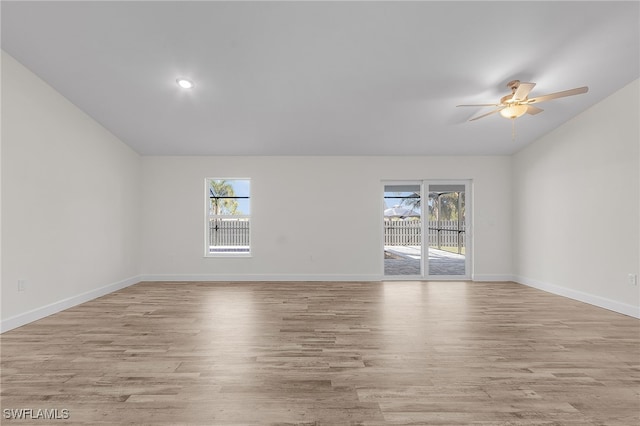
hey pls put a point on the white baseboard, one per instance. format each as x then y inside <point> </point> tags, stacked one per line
<point>300,277</point>
<point>61,305</point>
<point>601,302</point>
<point>258,277</point>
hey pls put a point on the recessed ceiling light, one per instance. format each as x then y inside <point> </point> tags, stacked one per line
<point>184,83</point>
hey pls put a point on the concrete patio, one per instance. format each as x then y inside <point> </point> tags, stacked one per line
<point>405,260</point>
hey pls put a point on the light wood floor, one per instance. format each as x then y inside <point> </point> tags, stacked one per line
<point>441,353</point>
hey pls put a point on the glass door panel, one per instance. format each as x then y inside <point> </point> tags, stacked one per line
<point>447,231</point>
<point>402,219</point>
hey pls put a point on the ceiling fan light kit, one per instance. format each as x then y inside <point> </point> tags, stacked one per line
<point>514,111</point>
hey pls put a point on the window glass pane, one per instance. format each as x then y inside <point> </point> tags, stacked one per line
<point>228,224</point>
<point>229,197</point>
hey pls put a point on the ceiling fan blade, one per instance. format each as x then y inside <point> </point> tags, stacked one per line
<point>522,91</point>
<point>571,92</point>
<point>478,105</point>
<point>484,115</point>
<point>533,110</point>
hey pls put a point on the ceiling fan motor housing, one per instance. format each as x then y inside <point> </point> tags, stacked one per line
<point>513,85</point>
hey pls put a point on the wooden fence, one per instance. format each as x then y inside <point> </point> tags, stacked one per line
<point>228,232</point>
<point>235,233</point>
<point>444,233</point>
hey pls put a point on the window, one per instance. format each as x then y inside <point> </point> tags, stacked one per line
<point>228,216</point>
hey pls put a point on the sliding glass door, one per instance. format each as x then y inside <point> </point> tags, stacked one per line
<point>426,217</point>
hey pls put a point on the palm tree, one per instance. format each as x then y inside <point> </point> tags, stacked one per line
<point>412,201</point>
<point>221,196</point>
<point>442,206</point>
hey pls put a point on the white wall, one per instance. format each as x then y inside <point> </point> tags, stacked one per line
<point>334,231</point>
<point>70,202</point>
<point>576,206</point>
<point>83,215</point>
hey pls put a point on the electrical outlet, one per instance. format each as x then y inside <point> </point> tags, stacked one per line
<point>22,285</point>
<point>632,279</point>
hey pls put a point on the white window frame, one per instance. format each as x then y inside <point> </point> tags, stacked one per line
<point>208,216</point>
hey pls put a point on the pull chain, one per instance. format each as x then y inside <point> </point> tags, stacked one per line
<point>513,129</point>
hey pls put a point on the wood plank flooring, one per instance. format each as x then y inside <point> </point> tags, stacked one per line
<point>392,353</point>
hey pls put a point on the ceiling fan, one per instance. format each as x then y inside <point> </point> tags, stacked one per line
<point>517,103</point>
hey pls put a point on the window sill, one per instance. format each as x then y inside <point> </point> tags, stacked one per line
<point>232,255</point>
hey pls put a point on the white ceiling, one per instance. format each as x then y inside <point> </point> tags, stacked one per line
<point>323,78</point>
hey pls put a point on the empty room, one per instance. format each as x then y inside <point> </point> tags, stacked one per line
<point>320,213</point>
